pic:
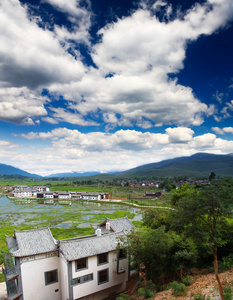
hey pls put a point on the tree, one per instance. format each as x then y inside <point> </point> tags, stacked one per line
<point>158,252</point>
<point>182,192</point>
<point>212,176</point>
<point>204,216</point>
<point>156,218</point>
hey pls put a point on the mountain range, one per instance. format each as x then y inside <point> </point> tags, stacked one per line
<point>197,165</point>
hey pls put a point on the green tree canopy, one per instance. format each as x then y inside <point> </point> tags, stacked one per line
<point>204,216</point>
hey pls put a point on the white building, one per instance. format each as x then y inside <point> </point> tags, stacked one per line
<point>41,188</point>
<point>24,193</point>
<point>88,267</point>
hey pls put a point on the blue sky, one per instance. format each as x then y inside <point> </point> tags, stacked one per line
<point>109,85</point>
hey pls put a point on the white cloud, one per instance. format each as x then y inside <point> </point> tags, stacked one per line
<point>19,105</point>
<point>63,115</point>
<point>204,141</point>
<point>223,130</point>
<point>180,134</point>
<point>138,51</point>
<point>29,55</point>
<point>135,57</point>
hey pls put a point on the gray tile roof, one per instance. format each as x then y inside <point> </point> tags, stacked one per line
<point>12,290</point>
<point>120,224</point>
<point>31,242</point>
<point>77,248</point>
<point>9,268</point>
<point>115,225</point>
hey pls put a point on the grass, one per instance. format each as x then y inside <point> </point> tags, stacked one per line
<point>2,279</point>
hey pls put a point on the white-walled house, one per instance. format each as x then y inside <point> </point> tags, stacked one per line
<point>24,193</point>
<point>40,188</point>
<point>90,267</point>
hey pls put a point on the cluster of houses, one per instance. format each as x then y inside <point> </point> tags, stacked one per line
<point>24,191</point>
<point>92,267</point>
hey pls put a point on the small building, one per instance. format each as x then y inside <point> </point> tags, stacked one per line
<point>46,195</point>
<point>24,193</point>
<point>63,195</point>
<point>41,188</point>
<point>90,267</point>
<point>20,187</point>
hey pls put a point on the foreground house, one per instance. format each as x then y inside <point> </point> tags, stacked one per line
<point>90,267</point>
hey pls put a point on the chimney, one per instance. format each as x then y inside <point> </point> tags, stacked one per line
<point>98,232</point>
<point>107,226</point>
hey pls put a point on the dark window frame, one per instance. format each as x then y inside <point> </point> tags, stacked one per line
<point>122,254</point>
<point>103,276</point>
<point>49,275</point>
<point>102,258</point>
<point>82,279</point>
<point>80,265</point>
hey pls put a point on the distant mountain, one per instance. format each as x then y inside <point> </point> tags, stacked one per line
<point>9,170</point>
<point>73,174</point>
<point>199,164</point>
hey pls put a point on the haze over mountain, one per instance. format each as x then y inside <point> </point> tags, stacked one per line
<point>9,170</point>
<point>73,174</point>
<point>197,165</point>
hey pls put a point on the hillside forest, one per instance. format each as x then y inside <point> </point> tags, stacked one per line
<point>196,233</point>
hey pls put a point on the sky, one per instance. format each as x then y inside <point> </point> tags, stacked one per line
<point>100,85</point>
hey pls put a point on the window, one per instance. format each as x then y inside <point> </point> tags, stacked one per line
<point>81,264</point>
<point>82,279</point>
<point>103,276</point>
<point>88,277</point>
<point>122,254</point>
<point>51,277</point>
<point>75,281</point>
<point>103,258</point>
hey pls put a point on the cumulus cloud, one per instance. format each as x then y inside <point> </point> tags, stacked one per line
<point>180,134</point>
<point>29,55</point>
<point>124,149</point>
<point>135,56</point>
<point>223,130</point>
<point>20,105</point>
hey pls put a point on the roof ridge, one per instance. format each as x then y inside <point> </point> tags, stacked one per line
<point>117,218</point>
<point>89,237</point>
<point>35,229</point>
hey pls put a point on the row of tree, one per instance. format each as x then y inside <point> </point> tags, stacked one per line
<point>194,230</point>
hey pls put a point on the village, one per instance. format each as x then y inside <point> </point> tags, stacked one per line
<point>43,192</point>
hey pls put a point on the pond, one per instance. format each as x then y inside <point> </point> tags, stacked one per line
<point>79,214</point>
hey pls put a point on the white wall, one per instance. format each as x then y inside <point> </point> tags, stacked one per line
<point>33,278</point>
<point>64,278</point>
<point>87,288</point>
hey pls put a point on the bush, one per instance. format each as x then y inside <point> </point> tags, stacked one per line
<point>122,297</point>
<point>199,296</point>
<point>145,292</point>
<point>151,285</point>
<point>178,288</point>
<point>227,293</point>
<point>226,263</point>
<point>187,280</point>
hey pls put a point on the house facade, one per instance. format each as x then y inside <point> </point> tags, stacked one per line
<point>90,267</point>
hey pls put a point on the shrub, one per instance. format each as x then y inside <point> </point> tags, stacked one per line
<point>145,292</point>
<point>226,263</point>
<point>187,280</point>
<point>227,293</point>
<point>199,296</point>
<point>178,288</point>
<point>122,297</point>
